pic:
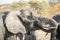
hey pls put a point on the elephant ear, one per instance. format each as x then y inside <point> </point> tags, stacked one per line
<point>14,24</point>
<point>48,24</point>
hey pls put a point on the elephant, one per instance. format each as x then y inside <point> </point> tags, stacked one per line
<point>16,23</point>
<point>38,23</point>
<point>36,18</point>
<point>46,28</point>
<point>19,24</point>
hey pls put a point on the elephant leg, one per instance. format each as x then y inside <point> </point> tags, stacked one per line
<point>28,37</point>
<point>14,37</point>
<point>53,35</point>
<point>23,37</point>
<point>32,35</point>
<point>20,36</point>
<point>10,36</point>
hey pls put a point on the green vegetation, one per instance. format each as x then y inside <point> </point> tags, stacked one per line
<point>42,7</point>
<point>16,6</point>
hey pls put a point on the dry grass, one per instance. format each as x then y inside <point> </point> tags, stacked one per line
<point>2,10</point>
<point>53,11</point>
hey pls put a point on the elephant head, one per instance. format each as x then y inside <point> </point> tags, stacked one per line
<point>32,18</point>
<point>47,23</point>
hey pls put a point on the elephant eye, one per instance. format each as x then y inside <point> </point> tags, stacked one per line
<point>29,17</point>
